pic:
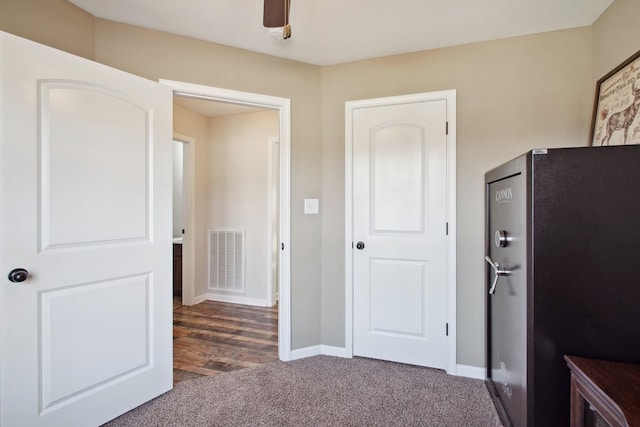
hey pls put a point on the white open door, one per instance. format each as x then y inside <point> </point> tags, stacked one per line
<point>85,208</point>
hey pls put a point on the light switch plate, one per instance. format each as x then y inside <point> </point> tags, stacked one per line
<point>311,206</point>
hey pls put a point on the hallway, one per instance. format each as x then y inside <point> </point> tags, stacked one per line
<point>213,337</point>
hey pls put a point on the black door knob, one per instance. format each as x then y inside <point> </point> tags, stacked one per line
<point>18,275</point>
<point>360,245</point>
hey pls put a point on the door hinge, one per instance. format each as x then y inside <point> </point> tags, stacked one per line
<point>447,229</point>
<point>447,128</point>
<point>282,246</point>
<point>446,329</point>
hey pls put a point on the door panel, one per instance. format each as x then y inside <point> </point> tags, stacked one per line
<point>397,294</point>
<point>399,175</point>
<point>108,160</point>
<point>77,361</point>
<point>85,207</point>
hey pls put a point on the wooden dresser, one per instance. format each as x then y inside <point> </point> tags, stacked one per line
<point>611,391</point>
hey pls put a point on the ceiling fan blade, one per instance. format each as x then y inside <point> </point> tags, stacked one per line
<point>276,13</point>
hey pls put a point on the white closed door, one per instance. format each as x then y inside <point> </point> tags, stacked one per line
<point>399,232</point>
<point>85,209</point>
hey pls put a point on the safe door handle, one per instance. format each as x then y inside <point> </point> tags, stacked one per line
<point>499,272</point>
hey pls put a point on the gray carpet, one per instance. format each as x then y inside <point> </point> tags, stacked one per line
<point>321,391</point>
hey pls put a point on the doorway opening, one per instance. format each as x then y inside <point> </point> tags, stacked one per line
<point>183,220</point>
<point>178,216</point>
<point>276,199</point>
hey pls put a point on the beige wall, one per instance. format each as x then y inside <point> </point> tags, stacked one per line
<point>56,23</point>
<point>178,189</point>
<point>214,141</point>
<point>238,196</point>
<point>195,126</point>
<point>156,55</point>
<point>512,95</point>
<point>616,36</point>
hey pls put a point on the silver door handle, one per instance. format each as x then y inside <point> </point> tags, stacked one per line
<point>499,272</point>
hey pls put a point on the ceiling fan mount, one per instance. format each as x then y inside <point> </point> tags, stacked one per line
<point>276,15</point>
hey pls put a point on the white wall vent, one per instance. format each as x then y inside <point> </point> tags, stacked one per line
<point>226,259</point>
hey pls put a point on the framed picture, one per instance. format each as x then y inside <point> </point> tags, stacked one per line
<point>615,119</point>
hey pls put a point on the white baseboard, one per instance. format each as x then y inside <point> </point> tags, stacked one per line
<point>257,302</point>
<point>330,350</point>
<point>304,352</point>
<point>199,299</point>
<point>476,372</point>
<point>316,350</point>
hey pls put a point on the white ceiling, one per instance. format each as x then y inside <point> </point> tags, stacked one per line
<point>329,32</point>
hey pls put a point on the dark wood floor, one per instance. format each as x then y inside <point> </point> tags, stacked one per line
<point>214,337</point>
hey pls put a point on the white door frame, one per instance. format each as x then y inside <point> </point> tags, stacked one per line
<point>450,97</point>
<point>283,106</point>
<point>188,242</point>
<point>273,149</point>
